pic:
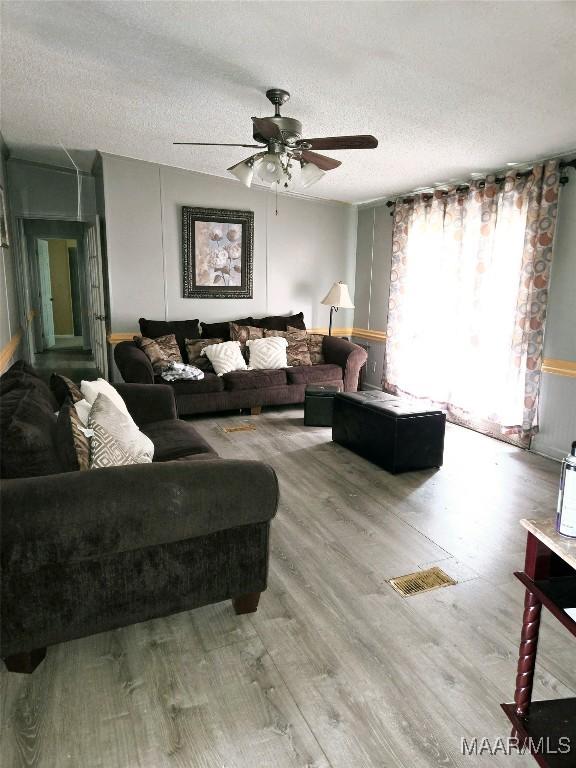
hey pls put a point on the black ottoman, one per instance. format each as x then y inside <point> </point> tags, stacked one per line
<point>396,434</point>
<point>318,404</point>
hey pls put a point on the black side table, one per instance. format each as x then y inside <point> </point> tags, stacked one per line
<point>319,403</point>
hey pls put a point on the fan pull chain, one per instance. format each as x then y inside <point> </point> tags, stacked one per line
<point>276,198</point>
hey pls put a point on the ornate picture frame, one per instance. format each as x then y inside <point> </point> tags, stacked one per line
<point>4,240</point>
<point>217,253</point>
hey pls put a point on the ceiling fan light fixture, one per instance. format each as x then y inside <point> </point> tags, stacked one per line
<point>310,174</point>
<point>269,169</point>
<point>243,171</point>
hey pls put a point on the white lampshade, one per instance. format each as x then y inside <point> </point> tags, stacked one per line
<point>243,171</point>
<point>338,296</point>
<point>310,174</point>
<point>269,168</point>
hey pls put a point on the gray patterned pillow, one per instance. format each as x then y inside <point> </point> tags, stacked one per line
<point>106,451</point>
<point>297,352</point>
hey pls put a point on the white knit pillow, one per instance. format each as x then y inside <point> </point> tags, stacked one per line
<point>267,353</point>
<point>91,390</point>
<point>225,357</point>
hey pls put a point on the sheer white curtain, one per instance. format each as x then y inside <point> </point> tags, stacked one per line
<point>468,299</point>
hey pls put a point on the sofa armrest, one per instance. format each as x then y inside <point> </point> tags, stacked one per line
<point>88,515</point>
<point>133,364</point>
<point>148,402</point>
<point>349,356</point>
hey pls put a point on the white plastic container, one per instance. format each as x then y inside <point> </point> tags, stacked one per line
<point>566,516</point>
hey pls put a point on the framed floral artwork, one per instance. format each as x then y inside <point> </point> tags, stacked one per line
<point>217,252</point>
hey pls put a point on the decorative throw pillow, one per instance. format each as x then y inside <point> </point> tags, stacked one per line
<point>242,333</point>
<point>122,428</point>
<point>298,353</point>
<point>72,441</point>
<point>225,357</point>
<point>194,349</point>
<point>63,388</point>
<point>269,353</point>
<point>222,330</point>
<point>83,408</point>
<point>91,390</point>
<point>106,451</point>
<point>315,342</point>
<point>162,351</point>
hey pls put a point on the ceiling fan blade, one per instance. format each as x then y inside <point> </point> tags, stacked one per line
<point>214,144</point>
<point>343,142</point>
<point>267,128</point>
<point>321,161</point>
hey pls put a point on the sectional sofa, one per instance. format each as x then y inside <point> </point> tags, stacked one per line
<point>343,362</point>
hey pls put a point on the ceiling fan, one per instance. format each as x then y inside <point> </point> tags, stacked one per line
<point>283,149</point>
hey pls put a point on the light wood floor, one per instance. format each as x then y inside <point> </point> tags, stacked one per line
<point>335,669</point>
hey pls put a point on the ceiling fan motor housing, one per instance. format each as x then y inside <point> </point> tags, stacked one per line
<point>291,129</point>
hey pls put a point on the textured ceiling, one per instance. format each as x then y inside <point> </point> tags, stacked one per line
<point>446,87</point>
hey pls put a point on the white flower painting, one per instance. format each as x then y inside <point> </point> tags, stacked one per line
<point>218,254</point>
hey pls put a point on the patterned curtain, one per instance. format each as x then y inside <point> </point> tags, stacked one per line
<point>468,295</point>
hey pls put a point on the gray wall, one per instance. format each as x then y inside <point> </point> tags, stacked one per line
<point>558,393</point>
<point>297,255</point>
<point>557,413</point>
<point>9,314</point>
<point>373,260</point>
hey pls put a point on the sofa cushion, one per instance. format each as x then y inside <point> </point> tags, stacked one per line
<point>314,374</point>
<point>210,383</point>
<point>222,330</point>
<point>237,380</point>
<point>182,329</point>
<point>175,439</point>
<point>23,376</point>
<point>27,432</point>
<point>281,322</point>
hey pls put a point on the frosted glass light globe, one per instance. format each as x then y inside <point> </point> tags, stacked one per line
<point>269,169</point>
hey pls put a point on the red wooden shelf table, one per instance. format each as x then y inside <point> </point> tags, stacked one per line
<point>549,576</point>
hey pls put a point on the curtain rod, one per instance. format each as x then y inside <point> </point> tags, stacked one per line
<point>564,179</point>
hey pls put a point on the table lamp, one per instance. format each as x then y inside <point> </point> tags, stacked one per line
<point>338,296</point>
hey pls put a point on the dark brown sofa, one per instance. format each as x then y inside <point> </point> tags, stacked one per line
<point>246,389</point>
<point>88,551</point>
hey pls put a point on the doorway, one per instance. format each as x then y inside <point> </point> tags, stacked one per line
<point>66,287</point>
<point>60,299</point>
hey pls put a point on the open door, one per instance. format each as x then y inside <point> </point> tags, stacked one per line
<point>95,296</point>
<point>48,339</point>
